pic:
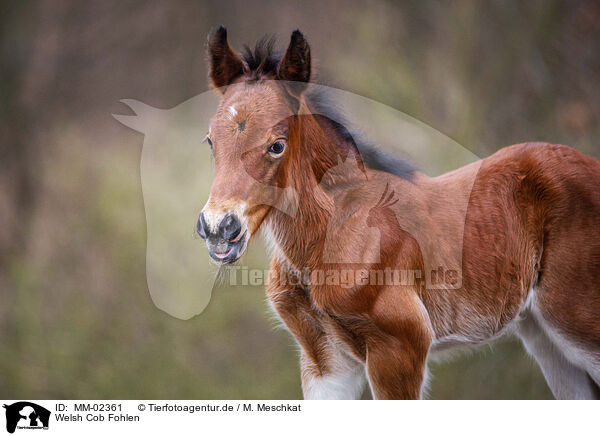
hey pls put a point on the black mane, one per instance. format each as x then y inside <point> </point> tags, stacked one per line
<point>262,62</point>
<point>321,103</point>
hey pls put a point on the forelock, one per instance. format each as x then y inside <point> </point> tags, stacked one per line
<point>262,61</point>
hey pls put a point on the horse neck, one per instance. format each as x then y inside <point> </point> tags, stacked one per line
<point>299,239</point>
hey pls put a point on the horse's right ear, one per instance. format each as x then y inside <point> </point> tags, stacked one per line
<point>224,64</point>
<point>295,64</point>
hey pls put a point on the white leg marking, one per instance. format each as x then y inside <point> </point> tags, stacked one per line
<point>346,381</point>
<point>565,379</point>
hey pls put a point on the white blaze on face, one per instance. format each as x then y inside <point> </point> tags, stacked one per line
<point>232,112</point>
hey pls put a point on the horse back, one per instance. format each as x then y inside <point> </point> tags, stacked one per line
<point>532,225</point>
<point>564,185</point>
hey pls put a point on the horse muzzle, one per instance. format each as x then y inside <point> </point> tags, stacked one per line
<point>226,239</point>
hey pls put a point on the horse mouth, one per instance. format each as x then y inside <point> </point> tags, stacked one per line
<point>228,252</point>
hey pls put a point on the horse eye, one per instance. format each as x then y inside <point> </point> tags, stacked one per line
<point>277,148</point>
<point>209,142</point>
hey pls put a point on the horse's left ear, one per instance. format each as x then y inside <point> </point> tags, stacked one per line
<point>224,64</point>
<point>295,65</point>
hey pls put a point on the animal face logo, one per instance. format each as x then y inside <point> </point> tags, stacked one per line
<point>26,415</point>
<point>237,182</point>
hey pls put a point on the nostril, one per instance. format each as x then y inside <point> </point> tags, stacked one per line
<point>230,227</point>
<point>201,226</point>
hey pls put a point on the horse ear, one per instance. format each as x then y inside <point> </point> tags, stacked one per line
<point>295,65</point>
<point>224,64</point>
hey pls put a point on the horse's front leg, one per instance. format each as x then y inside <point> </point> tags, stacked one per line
<point>328,372</point>
<point>398,346</point>
<point>337,377</point>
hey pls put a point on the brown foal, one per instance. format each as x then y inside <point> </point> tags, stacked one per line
<point>380,266</point>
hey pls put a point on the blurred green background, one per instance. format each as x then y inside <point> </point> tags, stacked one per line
<point>76,319</point>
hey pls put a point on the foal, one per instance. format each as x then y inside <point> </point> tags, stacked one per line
<point>376,266</point>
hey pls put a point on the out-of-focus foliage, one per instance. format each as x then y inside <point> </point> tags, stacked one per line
<point>76,319</point>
